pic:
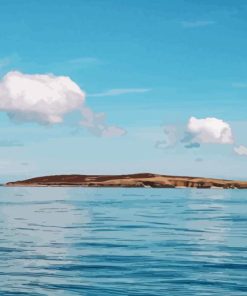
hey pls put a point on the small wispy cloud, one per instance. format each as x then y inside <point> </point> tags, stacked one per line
<point>170,138</point>
<point>196,24</point>
<point>241,150</point>
<point>239,84</point>
<point>4,62</point>
<point>192,145</point>
<point>83,61</point>
<point>120,91</point>
<point>75,64</point>
<point>198,159</point>
<point>7,61</point>
<point>10,143</point>
<point>97,125</point>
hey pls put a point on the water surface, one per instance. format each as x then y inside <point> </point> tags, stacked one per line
<point>102,241</point>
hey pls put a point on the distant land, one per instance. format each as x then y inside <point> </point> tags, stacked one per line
<point>131,180</point>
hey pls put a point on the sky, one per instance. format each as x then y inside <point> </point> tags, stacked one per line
<point>111,87</point>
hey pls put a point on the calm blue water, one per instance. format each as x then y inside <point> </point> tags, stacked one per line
<point>75,241</point>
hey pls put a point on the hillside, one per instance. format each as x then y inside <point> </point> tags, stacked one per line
<point>131,180</point>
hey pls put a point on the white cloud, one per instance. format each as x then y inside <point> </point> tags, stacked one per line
<point>196,24</point>
<point>41,98</point>
<point>241,150</point>
<point>210,130</point>
<point>196,132</point>
<point>96,124</point>
<point>46,99</point>
<point>120,91</point>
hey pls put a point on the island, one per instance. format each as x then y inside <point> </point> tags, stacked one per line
<point>130,180</point>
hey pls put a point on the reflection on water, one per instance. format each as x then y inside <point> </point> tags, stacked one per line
<point>211,205</point>
<point>75,241</point>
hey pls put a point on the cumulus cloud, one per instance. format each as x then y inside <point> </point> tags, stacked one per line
<point>42,98</point>
<point>210,130</point>
<point>96,124</point>
<point>241,150</point>
<point>197,132</point>
<point>46,99</point>
<point>120,91</point>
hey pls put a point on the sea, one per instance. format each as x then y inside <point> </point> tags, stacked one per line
<point>119,241</point>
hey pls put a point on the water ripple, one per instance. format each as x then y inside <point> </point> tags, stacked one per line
<point>136,242</point>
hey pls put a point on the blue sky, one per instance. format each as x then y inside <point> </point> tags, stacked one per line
<point>148,65</point>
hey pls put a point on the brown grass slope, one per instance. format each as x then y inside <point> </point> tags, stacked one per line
<point>130,180</point>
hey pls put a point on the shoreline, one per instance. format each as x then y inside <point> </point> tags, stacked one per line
<point>117,187</point>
